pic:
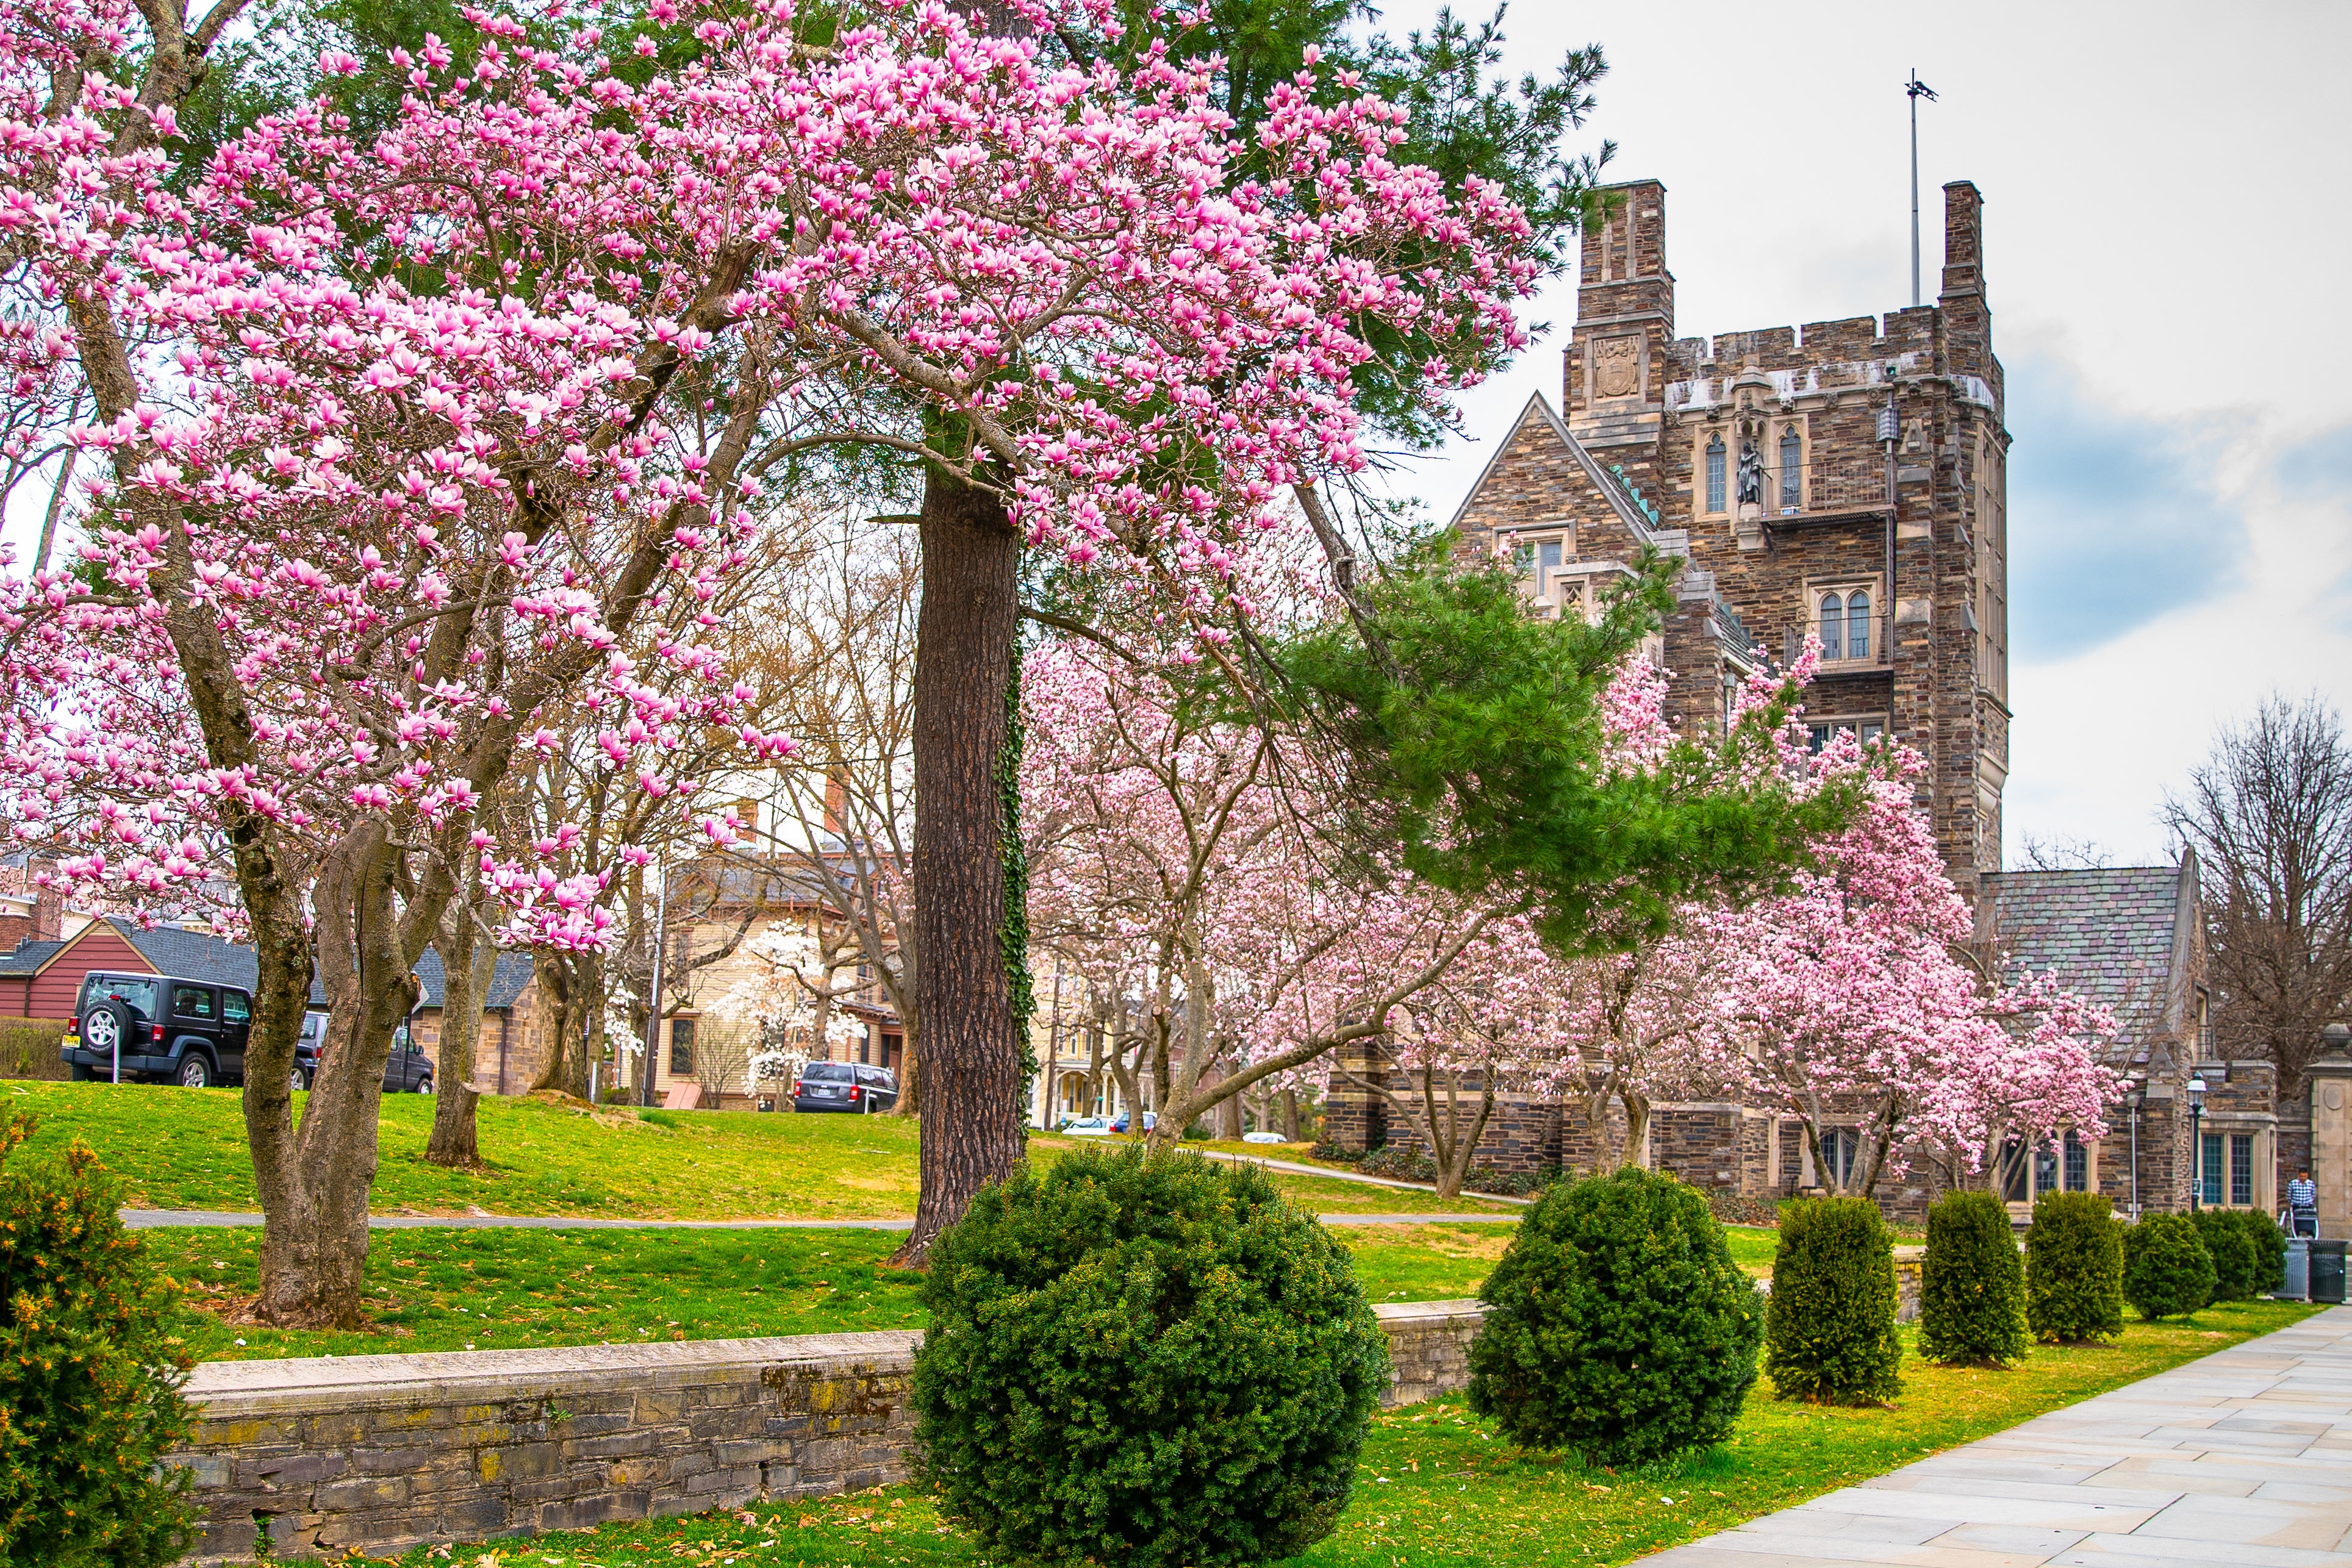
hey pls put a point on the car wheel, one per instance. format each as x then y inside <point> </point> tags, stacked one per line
<point>102,1031</point>
<point>296,1082</point>
<point>82,1074</point>
<point>424,1084</point>
<point>196,1072</point>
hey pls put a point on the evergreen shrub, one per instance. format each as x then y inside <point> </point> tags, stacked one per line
<point>1616,1323</point>
<point>2235,1265</point>
<point>2074,1268</point>
<point>1829,1334</point>
<point>1140,1358</point>
<point>91,1359</point>
<point>2167,1271</point>
<point>2269,1250</point>
<point>1971,1283</point>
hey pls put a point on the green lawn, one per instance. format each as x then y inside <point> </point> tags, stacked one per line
<point>1437,1487</point>
<point>178,1148</point>
<point>506,1289</point>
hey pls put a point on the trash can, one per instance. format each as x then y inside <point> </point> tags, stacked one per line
<point>2298,1272</point>
<point>2327,1272</point>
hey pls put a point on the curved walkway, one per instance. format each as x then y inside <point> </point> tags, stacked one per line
<point>2242,1460</point>
<point>177,1218</point>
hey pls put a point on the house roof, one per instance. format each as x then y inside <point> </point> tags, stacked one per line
<point>508,980</point>
<point>27,956</point>
<point>2121,935</point>
<point>199,955</point>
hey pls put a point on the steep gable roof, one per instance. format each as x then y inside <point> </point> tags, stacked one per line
<point>2124,937</point>
<point>1539,414</point>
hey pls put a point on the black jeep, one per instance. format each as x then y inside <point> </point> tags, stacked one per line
<point>190,1032</point>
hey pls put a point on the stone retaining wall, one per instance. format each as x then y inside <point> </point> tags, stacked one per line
<point>382,1452</point>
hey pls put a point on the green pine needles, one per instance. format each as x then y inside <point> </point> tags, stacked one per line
<point>1830,1334</point>
<point>1617,1323</point>
<point>1143,1359</point>
<point>2167,1273</point>
<point>2074,1270</point>
<point>91,1359</point>
<point>1971,1283</point>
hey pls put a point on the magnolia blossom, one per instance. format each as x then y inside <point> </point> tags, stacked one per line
<point>790,1002</point>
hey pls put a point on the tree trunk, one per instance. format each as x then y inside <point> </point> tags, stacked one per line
<point>965,632</point>
<point>314,1187</point>
<point>1229,1118</point>
<point>1637,1128</point>
<point>467,965</point>
<point>1290,1115</point>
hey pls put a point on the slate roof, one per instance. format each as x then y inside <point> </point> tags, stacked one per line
<point>2115,934</point>
<point>199,955</point>
<point>507,981</point>
<point>27,957</point>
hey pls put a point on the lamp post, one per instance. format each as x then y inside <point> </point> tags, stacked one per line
<point>2131,1104</point>
<point>2196,1092</point>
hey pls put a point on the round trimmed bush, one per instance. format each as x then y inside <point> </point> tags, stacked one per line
<point>2074,1270</point>
<point>2235,1267</point>
<point>2167,1271</point>
<point>1143,1358</point>
<point>1971,1283</point>
<point>1617,1323</point>
<point>2270,1249</point>
<point>93,1349</point>
<point>1829,1334</point>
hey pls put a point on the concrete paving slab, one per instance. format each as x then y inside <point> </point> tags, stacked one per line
<point>2240,1460</point>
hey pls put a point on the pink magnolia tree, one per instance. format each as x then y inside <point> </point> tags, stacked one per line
<point>1849,1007</point>
<point>397,439</point>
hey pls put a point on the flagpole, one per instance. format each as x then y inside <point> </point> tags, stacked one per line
<point>1915,90</point>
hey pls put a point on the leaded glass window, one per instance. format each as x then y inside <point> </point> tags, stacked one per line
<point>1715,457</point>
<point>1832,626</point>
<point>1857,625</point>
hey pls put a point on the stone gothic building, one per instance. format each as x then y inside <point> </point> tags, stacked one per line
<point>1841,477</point>
<point>1844,477</point>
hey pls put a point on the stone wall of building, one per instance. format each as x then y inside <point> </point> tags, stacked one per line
<point>381,1453</point>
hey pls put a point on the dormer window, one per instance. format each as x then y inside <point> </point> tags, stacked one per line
<point>1717,460</point>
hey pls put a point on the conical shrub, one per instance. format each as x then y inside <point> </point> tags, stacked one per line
<point>1971,1283</point>
<point>2074,1270</point>
<point>2167,1273</point>
<point>1829,1334</point>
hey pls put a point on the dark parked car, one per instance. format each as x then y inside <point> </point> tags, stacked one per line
<point>190,1032</point>
<point>844,1086</point>
<point>1125,1118</point>
<point>407,1070</point>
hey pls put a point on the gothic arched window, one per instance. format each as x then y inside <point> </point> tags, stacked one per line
<point>1792,469</point>
<point>1832,626</point>
<point>1715,475</point>
<point>1857,624</point>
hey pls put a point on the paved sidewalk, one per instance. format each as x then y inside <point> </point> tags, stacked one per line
<point>184,1219</point>
<point>2242,1458</point>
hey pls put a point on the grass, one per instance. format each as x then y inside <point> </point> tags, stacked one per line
<point>511,1290</point>
<point>179,1148</point>
<point>1436,1486</point>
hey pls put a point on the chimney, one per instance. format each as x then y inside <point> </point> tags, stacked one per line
<point>836,804</point>
<point>1967,320</point>
<point>49,905</point>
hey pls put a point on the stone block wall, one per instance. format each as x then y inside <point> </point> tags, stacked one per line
<point>381,1453</point>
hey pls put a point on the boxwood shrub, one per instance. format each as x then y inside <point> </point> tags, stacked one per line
<point>2167,1271</point>
<point>2074,1270</point>
<point>1143,1358</point>
<point>2235,1265</point>
<point>1971,1283</point>
<point>1829,1334</point>
<point>92,1355</point>
<point>1617,1323</point>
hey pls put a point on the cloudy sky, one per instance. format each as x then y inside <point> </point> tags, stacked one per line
<point>2165,241</point>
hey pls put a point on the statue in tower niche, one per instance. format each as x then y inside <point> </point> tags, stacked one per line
<point>1751,473</point>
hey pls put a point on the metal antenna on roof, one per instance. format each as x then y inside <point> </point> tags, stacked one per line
<point>1915,90</point>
